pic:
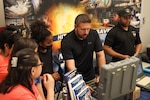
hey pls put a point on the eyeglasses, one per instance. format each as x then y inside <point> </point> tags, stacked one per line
<point>41,64</point>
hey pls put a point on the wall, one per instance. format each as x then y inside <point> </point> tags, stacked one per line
<point>144,29</point>
<point>145,24</point>
<point>2,19</point>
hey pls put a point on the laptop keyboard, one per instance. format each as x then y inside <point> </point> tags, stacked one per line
<point>144,81</point>
<point>148,85</point>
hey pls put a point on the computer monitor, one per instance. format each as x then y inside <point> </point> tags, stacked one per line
<point>118,78</point>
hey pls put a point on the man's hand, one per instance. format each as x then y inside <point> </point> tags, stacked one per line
<point>90,88</point>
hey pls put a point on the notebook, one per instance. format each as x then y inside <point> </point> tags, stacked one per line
<point>142,80</point>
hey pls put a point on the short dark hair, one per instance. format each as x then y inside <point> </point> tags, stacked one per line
<point>82,18</point>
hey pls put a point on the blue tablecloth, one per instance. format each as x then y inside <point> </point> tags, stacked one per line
<point>145,95</point>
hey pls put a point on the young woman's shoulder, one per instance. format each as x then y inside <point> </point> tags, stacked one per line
<point>19,92</point>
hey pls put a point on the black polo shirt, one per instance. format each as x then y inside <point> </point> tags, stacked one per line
<point>122,41</point>
<point>82,52</point>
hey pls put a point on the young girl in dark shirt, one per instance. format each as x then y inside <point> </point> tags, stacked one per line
<point>44,38</point>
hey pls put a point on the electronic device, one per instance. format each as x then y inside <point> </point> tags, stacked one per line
<point>118,78</point>
<point>146,55</point>
<point>147,70</point>
<point>142,80</point>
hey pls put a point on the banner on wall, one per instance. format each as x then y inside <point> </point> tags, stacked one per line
<point>63,12</point>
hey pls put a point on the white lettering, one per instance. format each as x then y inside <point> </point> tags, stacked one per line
<point>103,31</point>
<point>60,57</point>
<point>60,36</point>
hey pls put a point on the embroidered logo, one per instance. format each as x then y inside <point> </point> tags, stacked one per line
<point>134,33</point>
<point>89,43</point>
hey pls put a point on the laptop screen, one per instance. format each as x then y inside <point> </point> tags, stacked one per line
<point>140,70</point>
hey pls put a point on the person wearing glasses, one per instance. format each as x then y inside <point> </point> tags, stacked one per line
<point>22,43</point>
<point>123,40</point>
<point>24,67</point>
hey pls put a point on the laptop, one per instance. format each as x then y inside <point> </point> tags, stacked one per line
<point>142,80</point>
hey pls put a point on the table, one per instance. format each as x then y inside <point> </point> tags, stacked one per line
<point>145,95</point>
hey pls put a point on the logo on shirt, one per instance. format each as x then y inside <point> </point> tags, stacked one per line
<point>89,43</point>
<point>134,33</point>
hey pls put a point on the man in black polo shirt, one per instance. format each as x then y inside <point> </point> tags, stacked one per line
<point>78,47</point>
<point>123,41</point>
